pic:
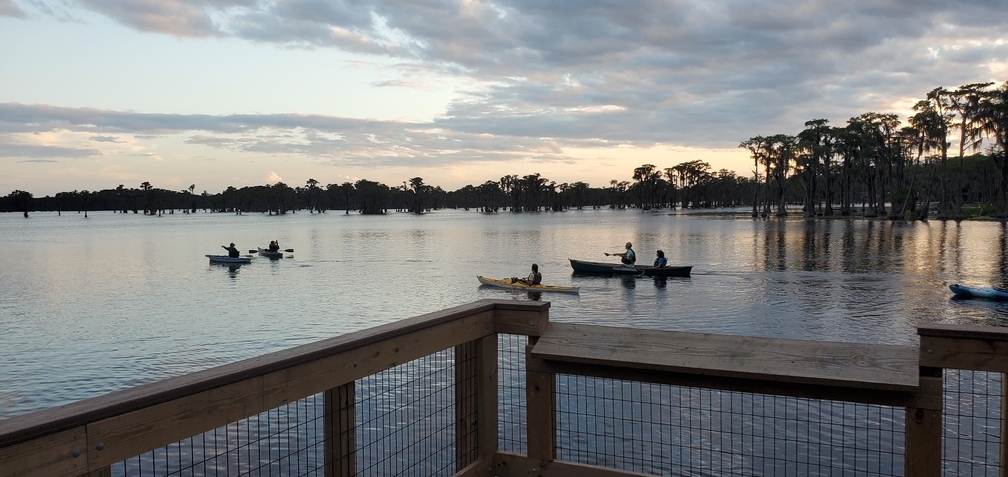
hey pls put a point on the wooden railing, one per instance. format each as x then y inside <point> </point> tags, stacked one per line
<point>89,437</point>
<point>969,348</point>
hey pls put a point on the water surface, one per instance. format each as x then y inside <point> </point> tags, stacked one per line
<point>97,304</point>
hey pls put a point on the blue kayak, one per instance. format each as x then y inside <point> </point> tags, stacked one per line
<point>962,291</point>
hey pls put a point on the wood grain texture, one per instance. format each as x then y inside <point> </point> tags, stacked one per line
<point>973,353</point>
<point>881,367</point>
<point>521,321</point>
<point>996,333</point>
<point>923,443</point>
<point>62,453</point>
<point>515,465</point>
<point>340,431</point>
<point>312,377</point>
<point>126,435</point>
<point>540,425</point>
<point>37,424</point>
<point>487,410</point>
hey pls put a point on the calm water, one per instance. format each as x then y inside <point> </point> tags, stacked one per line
<point>95,305</point>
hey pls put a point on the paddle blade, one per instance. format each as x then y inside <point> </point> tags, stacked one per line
<point>253,251</point>
<point>289,250</point>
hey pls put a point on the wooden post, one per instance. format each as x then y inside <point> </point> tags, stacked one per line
<point>340,433</point>
<point>476,402</point>
<point>924,436</point>
<point>540,392</point>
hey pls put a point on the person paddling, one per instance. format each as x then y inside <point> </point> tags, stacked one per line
<point>533,279</point>
<point>232,251</point>
<point>628,257</point>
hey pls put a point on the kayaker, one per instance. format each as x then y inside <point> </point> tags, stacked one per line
<point>628,257</point>
<point>274,246</point>
<point>232,251</point>
<point>534,278</point>
<point>661,261</point>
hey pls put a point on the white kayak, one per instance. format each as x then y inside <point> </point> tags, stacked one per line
<point>227,259</point>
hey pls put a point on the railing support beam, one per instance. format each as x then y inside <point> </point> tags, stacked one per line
<point>924,434</point>
<point>540,389</point>
<point>340,431</point>
<point>476,404</point>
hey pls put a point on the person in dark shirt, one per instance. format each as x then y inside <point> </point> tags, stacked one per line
<point>534,278</point>
<point>232,251</point>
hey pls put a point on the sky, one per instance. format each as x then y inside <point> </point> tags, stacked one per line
<point>218,93</point>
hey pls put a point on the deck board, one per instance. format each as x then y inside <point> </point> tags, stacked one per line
<point>868,366</point>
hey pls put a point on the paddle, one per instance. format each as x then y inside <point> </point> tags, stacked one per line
<point>289,250</point>
<point>253,251</point>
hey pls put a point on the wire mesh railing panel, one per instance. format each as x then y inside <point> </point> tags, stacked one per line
<point>406,419</point>
<point>674,430</point>
<point>284,441</point>
<point>512,406</point>
<point>405,423</point>
<point>972,423</point>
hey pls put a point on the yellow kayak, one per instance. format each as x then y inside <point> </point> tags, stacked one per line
<point>506,283</point>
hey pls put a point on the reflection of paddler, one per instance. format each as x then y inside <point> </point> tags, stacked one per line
<point>628,257</point>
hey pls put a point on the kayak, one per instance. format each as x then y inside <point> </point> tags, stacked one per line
<point>604,268</point>
<point>506,283</point>
<point>227,259</point>
<point>961,291</point>
<point>265,252</point>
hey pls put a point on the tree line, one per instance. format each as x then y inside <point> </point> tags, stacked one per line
<point>873,166</point>
<point>689,184</point>
<point>887,168</point>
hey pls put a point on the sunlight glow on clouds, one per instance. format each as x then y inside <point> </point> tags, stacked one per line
<point>454,92</point>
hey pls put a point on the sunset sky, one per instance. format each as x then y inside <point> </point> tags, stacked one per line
<point>217,93</point>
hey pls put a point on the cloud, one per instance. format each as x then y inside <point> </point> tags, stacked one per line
<point>205,140</point>
<point>545,78</point>
<point>273,177</point>
<point>10,9</point>
<point>331,140</point>
<point>174,17</point>
<point>38,152</point>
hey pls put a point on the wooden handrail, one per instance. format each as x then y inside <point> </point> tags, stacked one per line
<point>96,433</point>
<point>977,348</point>
<point>823,363</point>
<point>50,421</point>
<point>993,333</point>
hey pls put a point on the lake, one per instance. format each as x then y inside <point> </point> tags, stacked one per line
<point>92,305</point>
